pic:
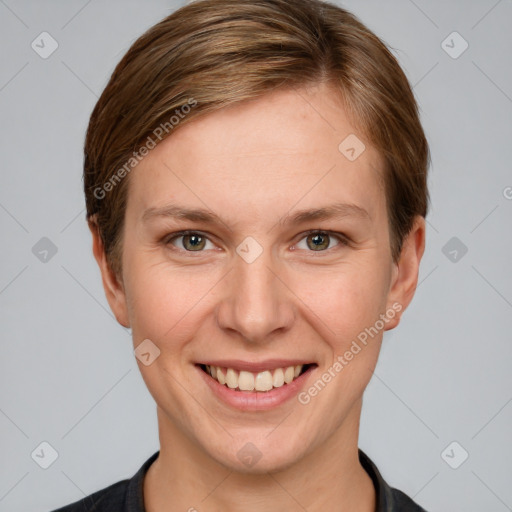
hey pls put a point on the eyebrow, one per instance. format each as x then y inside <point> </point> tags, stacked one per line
<point>333,211</point>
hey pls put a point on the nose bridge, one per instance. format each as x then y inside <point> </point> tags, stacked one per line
<point>256,303</point>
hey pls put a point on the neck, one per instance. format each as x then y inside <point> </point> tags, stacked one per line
<point>330,478</point>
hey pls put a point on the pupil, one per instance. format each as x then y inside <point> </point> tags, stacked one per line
<point>319,241</point>
<point>195,241</point>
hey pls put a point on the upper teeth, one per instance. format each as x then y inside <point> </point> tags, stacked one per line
<point>248,381</point>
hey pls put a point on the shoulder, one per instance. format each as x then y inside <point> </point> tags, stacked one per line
<point>402,503</point>
<point>389,499</point>
<point>123,496</point>
<point>111,499</point>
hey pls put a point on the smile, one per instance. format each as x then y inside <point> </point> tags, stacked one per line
<point>250,381</point>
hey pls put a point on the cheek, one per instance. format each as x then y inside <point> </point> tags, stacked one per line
<point>162,300</point>
<point>346,299</point>
<point>348,304</point>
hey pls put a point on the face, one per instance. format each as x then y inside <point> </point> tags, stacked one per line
<point>285,263</point>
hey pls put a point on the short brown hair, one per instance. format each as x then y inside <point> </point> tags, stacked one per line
<point>214,53</point>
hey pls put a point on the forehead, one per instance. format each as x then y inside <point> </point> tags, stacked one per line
<point>280,149</point>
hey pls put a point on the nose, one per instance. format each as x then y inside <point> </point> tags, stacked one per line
<point>256,302</point>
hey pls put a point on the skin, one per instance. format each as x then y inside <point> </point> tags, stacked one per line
<point>252,164</point>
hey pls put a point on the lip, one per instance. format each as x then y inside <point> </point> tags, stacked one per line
<point>256,366</point>
<point>260,400</point>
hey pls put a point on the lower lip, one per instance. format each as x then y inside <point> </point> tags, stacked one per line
<point>256,400</point>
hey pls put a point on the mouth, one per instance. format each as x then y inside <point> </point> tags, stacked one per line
<point>264,381</point>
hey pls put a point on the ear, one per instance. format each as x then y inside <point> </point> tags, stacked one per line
<point>112,284</point>
<point>405,272</point>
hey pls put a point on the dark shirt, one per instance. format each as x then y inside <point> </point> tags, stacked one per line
<point>127,495</point>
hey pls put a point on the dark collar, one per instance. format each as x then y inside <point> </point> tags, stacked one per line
<point>382,489</point>
<point>388,498</point>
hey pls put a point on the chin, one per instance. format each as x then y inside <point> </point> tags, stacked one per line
<point>257,455</point>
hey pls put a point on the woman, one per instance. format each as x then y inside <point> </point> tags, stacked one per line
<point>255,178</point>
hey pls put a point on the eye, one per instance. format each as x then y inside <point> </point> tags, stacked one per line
<point>191,241</point>
<point>194,241</point>
<point>321,241</point>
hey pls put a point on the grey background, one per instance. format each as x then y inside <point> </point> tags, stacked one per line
<point>68,373</point>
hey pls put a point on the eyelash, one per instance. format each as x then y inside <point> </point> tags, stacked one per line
<point>343,240</point>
